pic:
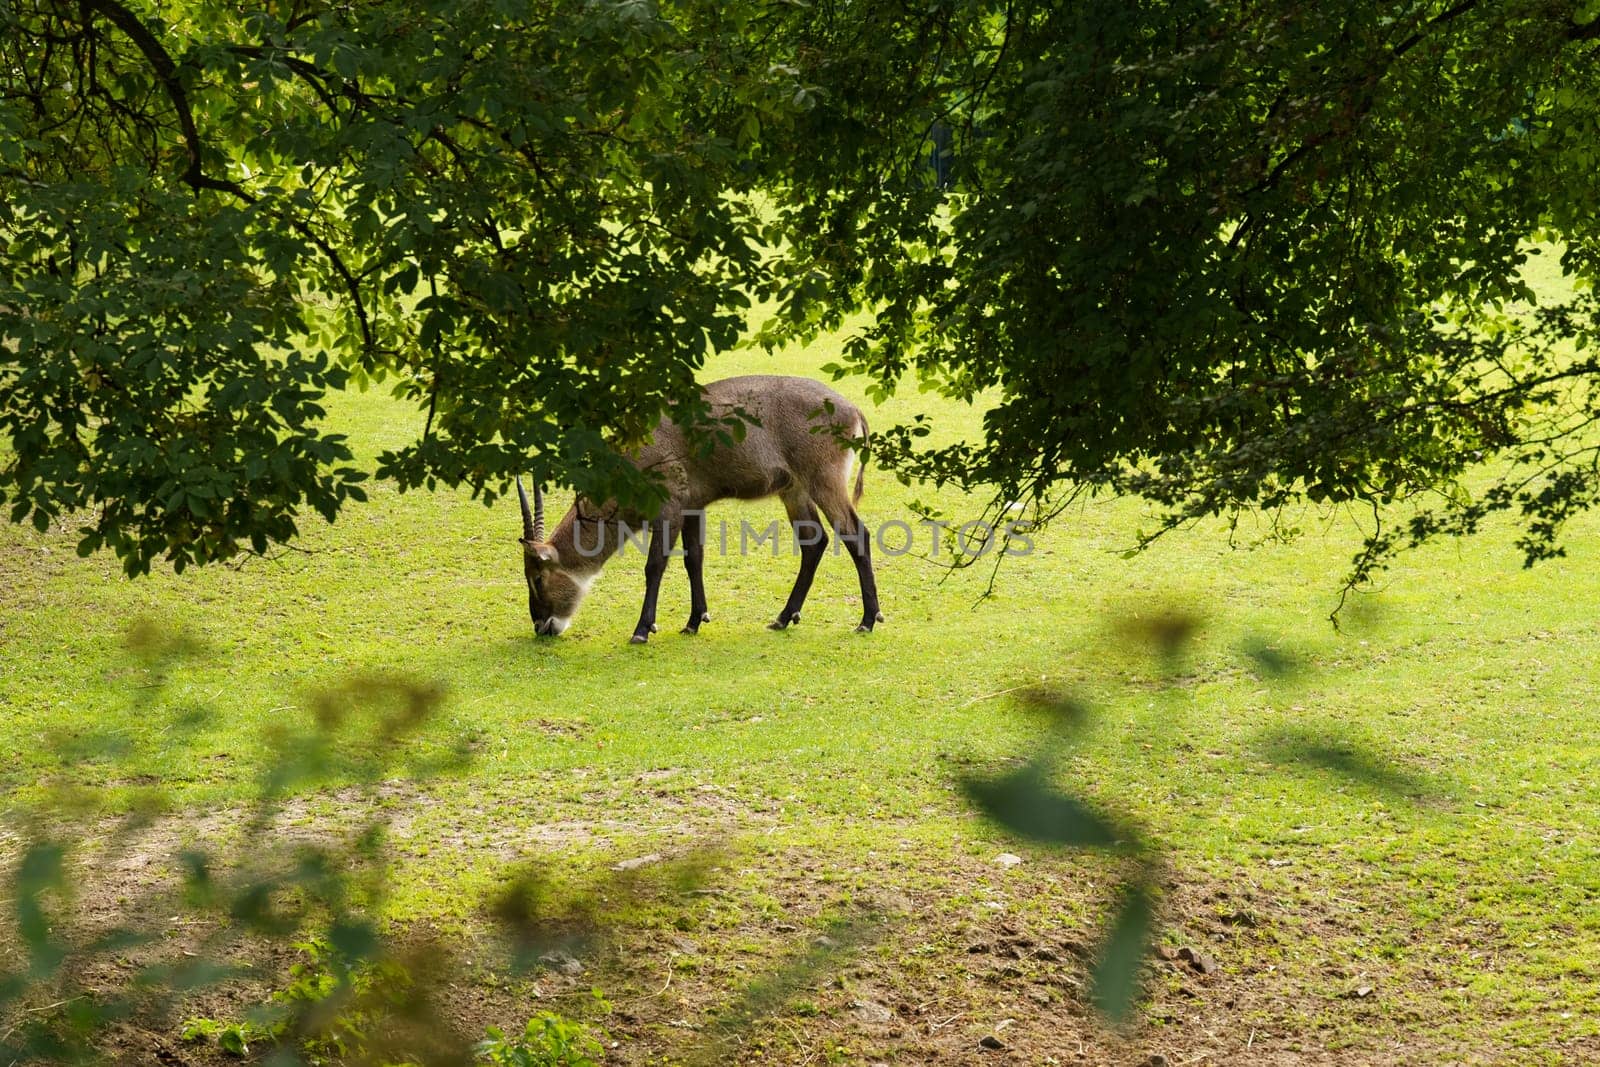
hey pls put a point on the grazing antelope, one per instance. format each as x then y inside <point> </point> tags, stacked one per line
<point>793,450</point>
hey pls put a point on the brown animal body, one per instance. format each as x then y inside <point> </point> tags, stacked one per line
<point>796,448</point>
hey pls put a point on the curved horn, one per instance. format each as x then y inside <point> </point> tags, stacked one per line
<point>538,514</point>
<point>529,532</point>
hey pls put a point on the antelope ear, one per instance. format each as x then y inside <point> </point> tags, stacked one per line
<point>545,552</point>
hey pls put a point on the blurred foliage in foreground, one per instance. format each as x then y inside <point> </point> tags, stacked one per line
<point>361,992</point>
<point>261,893</point>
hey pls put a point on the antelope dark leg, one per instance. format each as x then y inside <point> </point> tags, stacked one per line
<point>858,542</point>
<point>694,556</point>
<point>812,537</point>
<point>662,536</point>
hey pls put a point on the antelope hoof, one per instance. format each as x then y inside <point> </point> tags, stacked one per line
<point>693,625</point>
<point>781,623</point>
<point>864,628</point>
<point>638,639</point>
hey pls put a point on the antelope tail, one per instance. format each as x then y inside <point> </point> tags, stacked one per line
<point>861,462</point>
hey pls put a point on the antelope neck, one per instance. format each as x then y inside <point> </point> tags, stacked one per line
<point>599,544</point>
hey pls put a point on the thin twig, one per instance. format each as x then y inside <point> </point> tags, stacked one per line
<point>1003,692</point>
<point>34,1011</point>
<point>664,985</point>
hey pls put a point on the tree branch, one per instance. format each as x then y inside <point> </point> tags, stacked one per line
<point>1448,15</point>
<point>166,71</point>
<point>167,74</point>
<point>1363,106</point>
<point>307,72</point>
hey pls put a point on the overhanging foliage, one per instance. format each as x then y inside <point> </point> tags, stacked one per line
<point>1218,254</point>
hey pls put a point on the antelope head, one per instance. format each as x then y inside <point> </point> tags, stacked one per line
<point>553,591</point>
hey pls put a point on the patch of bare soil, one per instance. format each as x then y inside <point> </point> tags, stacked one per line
<point>999,979</point>
<point>762,950</point>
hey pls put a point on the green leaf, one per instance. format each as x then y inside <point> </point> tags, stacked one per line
<point>1114,980</point>
<point>1024,803</point>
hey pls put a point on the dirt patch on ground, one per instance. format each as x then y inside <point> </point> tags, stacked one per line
<point>715,938</point>
<point>967,965</point>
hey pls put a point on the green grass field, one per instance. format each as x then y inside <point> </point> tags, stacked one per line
<point>1409,811</point>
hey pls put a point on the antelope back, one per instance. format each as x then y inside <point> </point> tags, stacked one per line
<point>794,446</point>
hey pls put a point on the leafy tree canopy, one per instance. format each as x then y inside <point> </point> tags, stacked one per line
<point>1216,253</point>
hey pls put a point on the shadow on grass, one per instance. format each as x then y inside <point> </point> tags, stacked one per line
<point>1328,754</point>
<point>602,641</point>
<point>843,939</point>
<point>1031,804</point>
